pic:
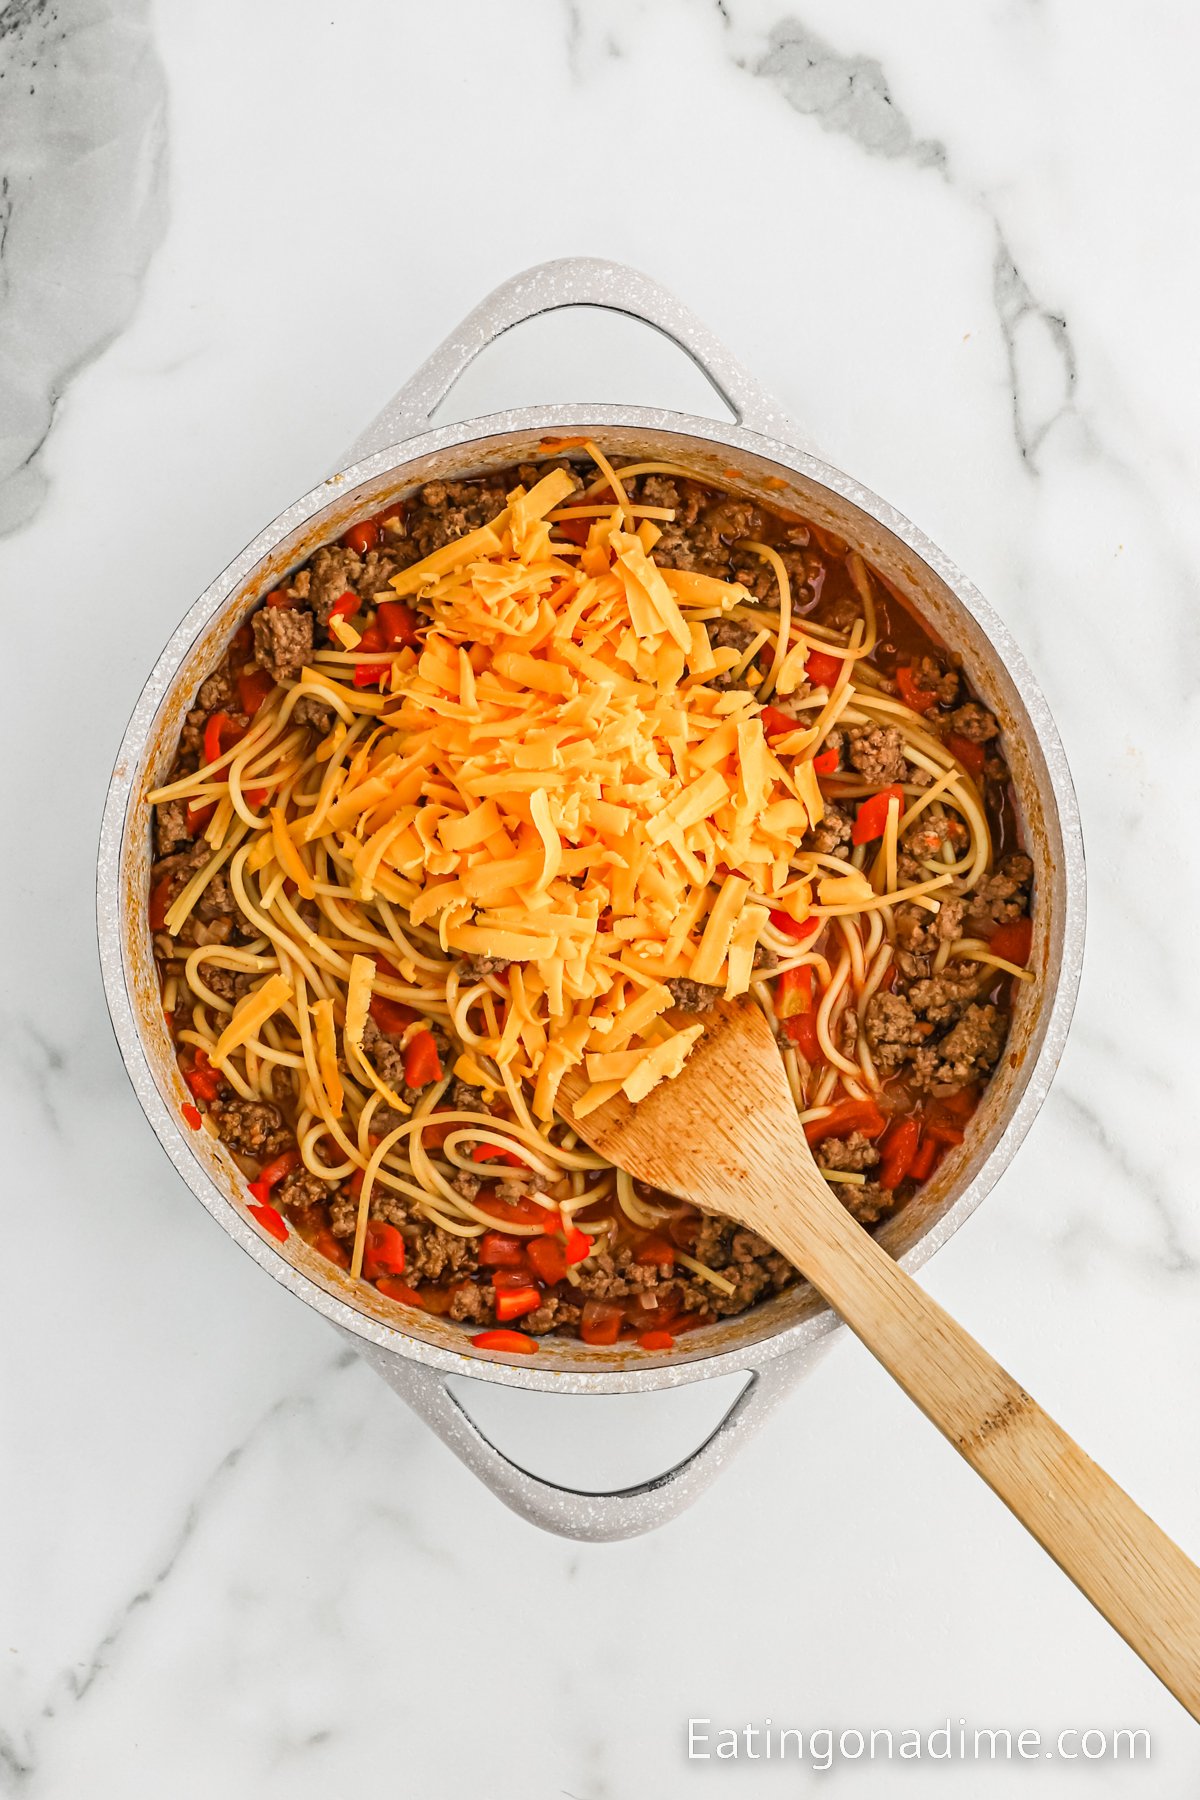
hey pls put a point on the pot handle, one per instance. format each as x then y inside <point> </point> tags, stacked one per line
<point>597,1518</point>
<point>573,281</point>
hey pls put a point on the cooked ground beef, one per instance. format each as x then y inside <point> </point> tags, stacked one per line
<point>893,1030</point>
<point>466,1184</point>
<point>920,934</point>
<point>940,998</point>
<point>465,1098</point>
<point>230,984</point>
<point>283,641</point>
<point>302,1188</point>
<point>969,1050</point>
<point>384,1054</point>
<point>933,677</point>
<point>476,968</point>
<point>217,901</point>
<point>832,836</point>
<point>854,1153</point>
<point>693,996</point>
<point>1001,896</point>
<point>217,693</point>
<point>448,509</point>
<point>334,571</point>
<point>973,722</point>
<point>932,831</point>
<point>730,634</point>
<point>877,753</point>
<point>170,827</point>
<point>308,710</point>
<point>251,1127</point>
<point>868,1203</point>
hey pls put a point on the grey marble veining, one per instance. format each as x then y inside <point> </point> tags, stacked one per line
<point>82,208</point>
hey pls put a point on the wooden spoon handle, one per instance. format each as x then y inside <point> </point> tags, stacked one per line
<point>1129,1569</point>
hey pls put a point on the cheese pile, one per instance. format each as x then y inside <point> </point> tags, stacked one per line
<point>553,782</point>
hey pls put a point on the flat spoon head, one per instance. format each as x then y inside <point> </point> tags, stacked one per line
<point>720,1133</point>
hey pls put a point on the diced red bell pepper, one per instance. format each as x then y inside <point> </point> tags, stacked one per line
<point>392,1016</point>
<point>354,1183</point>
<point>515,1302</point>
<point>280,599</point>
<point>493,1153</point>
<point>574,530</point>
<point>775,722</point>
<point>369,674</point>
<point>270,1220</point>
<point>514,1341</point>
<point>655,1250</point>
<point>383,1253</point>
<point>925,1161</point>
<point>794,992</point>
<point>203,1079</point>
<point>656,1340</point>
<point>397,625</point>
<point>253,688</point>
<point>823,670</point>
<point>331,1248</point>
<point>191,1114</point>
<point>578,1246</point>
<point>196,817</point>
<point>521,1211</point>
<point>826,763</point>
<point>548,1260</point>
<point>898,1149</point>
<point>274,1171</point>
<point>160,903</point>
<point>971,756</point>
<point>801,1030</point>
<point>799,929</point>
<point>362,537</point>
<point>1013,941</point>
<point>601,1321</point>
<point>939,1132</point>
<point>918,698</point>
<point>873,814</point>
<point>395,509</point>
<point>421,1061</point>
<point>845,1117</point>
<point>254,797</point>
<point>242,641</point>
<point>344,607</point>
<point>499,1251</point>
<point>220,735</point>
<point>392,1289</point>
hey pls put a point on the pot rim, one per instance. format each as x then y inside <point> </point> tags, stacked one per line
<point>572,420</point>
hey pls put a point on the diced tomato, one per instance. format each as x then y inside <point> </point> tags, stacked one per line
<point>369,674</point>
<point>579,1245</point>
<point>549,1260</point>
<point>421,1061</point>
<point>270,1220</point>
<point>274,1171</point>
<point>499,1251</point>
<point>395,509</point>
<point>823,670</point>
<point>514,1341</point>
<point>826,763</point>
<point>801,1030</point>
<point>938,1132</point>
<point>656,1340</point>
<point>326,1245</point>
<point>434,1299</point>
<point>873,814</point>
<point>1013,941</point>
<point>391,1016</point>
<point>392,1289</point>
<point>361,538</point>
<point>971,756</point>
<point>253,688</point>
<point>196,817</point>
<point>397,625</point>
<point>654,1250</point>
<point>898,1149</point>
<point>354,1183</point>
<point>280,598</point>
<point>385,967</point>
<point>919,698</point>
<point>601,1321</point>
<point>192,1115</point>
<point>845,1117</point>
<point>775,723</point>
<point>220,735</point>
<point>160,903</point>
<point>794,992</point>
<point>574,530</point>
<point>515,1302</point>
<point>801,930</point>
<point>493,1153</point>
<point>344,608</point>
<point>261,1191</point>
<point>203,1079</point>
<point>923,1163</point>
<point>254,797</point>
<point>383,1253</point>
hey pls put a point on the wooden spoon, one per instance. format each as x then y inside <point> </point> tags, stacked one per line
<point>724,1135</point>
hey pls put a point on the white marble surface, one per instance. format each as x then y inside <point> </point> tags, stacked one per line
<point>959,244</point>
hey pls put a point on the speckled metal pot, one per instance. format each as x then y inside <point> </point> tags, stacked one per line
<point>761,455</point>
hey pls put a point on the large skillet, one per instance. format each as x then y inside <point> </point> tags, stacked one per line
<point>778,1342</point>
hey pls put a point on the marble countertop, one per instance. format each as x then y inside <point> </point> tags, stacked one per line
<point>957,244</point>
